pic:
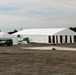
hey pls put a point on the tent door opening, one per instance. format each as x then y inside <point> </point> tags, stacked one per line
<point>57,39</point>
<point>70,39</point>
<point>60,39</point>
<point>53,39</point>
<point>49,39</point>
<point>74,38</point>
<point>66,39</point>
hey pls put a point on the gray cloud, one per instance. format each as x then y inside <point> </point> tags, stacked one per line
<point>36,14</point>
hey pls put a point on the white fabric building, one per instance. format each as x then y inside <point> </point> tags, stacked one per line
<point>6,35</point>
<point>48,35</point>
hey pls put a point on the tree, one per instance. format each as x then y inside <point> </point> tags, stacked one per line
<point>73,28</point>
<point>19,36</point>
<point>13,31</point>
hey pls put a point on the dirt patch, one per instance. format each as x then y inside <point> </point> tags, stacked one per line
<point>15,61</point>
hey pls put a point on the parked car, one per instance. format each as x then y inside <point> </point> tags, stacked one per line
<point>6,42</point>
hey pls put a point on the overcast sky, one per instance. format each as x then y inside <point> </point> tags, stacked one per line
<point>16,14</point>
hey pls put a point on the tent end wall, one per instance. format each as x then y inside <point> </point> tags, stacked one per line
<point>58,39</point>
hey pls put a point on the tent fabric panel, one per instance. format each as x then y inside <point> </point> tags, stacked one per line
<point>43,39</point>
<point>68,39</point>
<point>72,39</point>
<point>15,41</point>
<point>37,38</point>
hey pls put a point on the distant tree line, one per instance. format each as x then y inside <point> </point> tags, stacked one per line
<point>73,28</point>
<point>13,31</point>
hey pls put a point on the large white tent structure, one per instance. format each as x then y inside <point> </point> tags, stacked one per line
<point>6,35</point>
<point>48,35</point>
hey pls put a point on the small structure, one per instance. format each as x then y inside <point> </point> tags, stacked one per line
<point>48,35</point>
<point>6,35</point>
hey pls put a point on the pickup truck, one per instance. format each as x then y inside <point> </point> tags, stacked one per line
<point>6,42</point>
